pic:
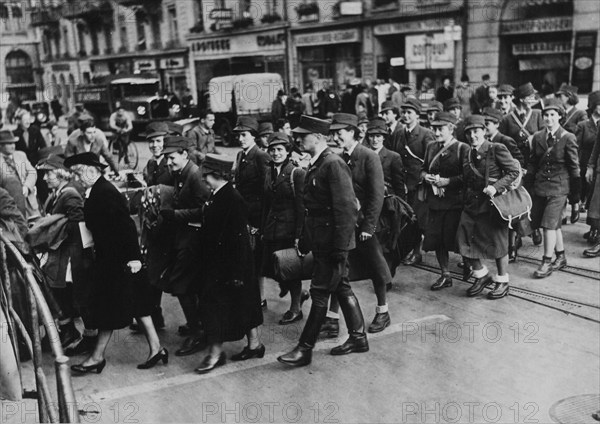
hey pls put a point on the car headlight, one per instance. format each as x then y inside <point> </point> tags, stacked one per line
<point>176,108</point>
<point>41,117</point>
<point>141,110</point>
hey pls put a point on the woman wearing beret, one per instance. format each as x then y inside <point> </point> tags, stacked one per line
<point>283,217</point>
<point>442,174</point>
<point>489,170</point>
<point>118,291</point>
<point>229,293</point>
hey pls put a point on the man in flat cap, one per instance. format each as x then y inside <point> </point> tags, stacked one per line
<point>331,216</point>
<point>505,98</point>
<point>88,138</point>
<point>203,135</point>
<point>186,212</point>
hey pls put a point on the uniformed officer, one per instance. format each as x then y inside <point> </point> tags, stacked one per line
<point>573,116</point>
<point>331,216</point>
<point>454,107</point>
<point>553,178</point>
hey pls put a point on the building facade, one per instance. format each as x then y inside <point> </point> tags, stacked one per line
<point>19,59</point>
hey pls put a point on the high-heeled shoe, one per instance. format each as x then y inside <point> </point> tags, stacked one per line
<point>85,369</point>
<point>248,353</point>
<point>162,354</point>
<point>207,366</point>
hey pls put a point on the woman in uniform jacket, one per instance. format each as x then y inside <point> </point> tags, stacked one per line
<point>573,116</point>
<point>489,170</point>
<point>393,169</point>
<point>118,290</point>
<point>229,292</point>
<point>442,175</point>
<point>70,288</point>
<point>553,178</point>
<point>283,217</point>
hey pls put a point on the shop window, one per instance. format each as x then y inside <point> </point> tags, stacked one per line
<point>19,69</point>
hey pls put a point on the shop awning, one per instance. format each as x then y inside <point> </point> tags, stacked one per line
<point>546,62</point>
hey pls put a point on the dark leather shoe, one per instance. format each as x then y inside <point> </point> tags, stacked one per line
<point>380,323</point>
<point>560,262</point>
<point>479,285</point>
<point>413,259</point>
<point>86,369</point>
<point>248,353</point>
<point>537,237</point>
<point>290,317</point>
<point>162,355</point>
<point>330,328</point>
<point>208,363</point>
<point>592,252</point>
<point>442,282</point>
<point>545,269</point>
<point>499,291</point>
<point>356,343</point>
<point>299,357</point>
<point>191,345</point>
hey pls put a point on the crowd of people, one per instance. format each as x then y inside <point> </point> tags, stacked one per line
<point>209,229</point>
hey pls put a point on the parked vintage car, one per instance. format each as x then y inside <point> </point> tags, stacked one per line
<point>236,95</point>
<point>138,94</point>
<point>40,111</point>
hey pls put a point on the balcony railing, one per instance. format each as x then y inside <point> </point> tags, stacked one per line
<point>88,10</point>
<point>46,16</point>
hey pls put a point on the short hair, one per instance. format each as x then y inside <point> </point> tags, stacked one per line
<point>572,98</point>
<point>205,112</point>
<point>485,77</point>
<point>87,124</point>
<point>280,124</point>
<point>464,78</point>
<point>63,174</point>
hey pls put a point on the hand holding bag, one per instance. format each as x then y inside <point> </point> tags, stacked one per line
<point>291,265</point>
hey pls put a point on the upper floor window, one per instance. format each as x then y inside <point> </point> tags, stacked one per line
<point>4,15</point>
<point>173,25</point>
<point>17,17</point>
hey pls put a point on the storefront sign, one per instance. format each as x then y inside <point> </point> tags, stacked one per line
<point>144,65</point>
<point>429,3</point>
<point>328,37</point>
<point>172,63</point>
<point>584,56</point>
<point>429,52</point>
<point>368,65</point>
<point>543,47</point>
<point>221,14</point>
<point>351,8</point>
<point>531,26</point>
<point>242,44</point>
<point>425,25</point>
<point>57,67</point>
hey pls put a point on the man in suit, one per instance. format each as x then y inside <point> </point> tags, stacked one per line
<point>331,216</point>
<point>390,113</point>
<point>553,178</point>
<point>30,138</point>
<point>156,170</point>
<point>369,187</point>
<point>411,145</point>
<point>18,176</point>
<point>391,162</point>
<point>250,170</point>
<point>203,137</point>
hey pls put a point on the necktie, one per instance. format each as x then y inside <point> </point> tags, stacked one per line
<point>346,157</point>
<point>551,140</point>
<point>407,133</point>
<point>474,155</point>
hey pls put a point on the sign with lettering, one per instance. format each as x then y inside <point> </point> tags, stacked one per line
<point>91,95</point>
<point>543,47</point>
<point>57,67</point>
<point>584,56</point>
<point>529,26</point>
<point>144,65</point>
<point>172,63</point>
<point>424,25</point>
<point>221,14</point>
<point>246,43</point>
<point>328,37</point>
<point>429,51</point>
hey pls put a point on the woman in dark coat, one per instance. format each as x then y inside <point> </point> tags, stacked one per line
<point>482,234</point>
<point>283,217</point>
<point>118,291</point>
<point>229,292</point>
<point>443,175</point>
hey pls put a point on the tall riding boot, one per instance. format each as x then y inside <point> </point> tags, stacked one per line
<point>357,340</point>
<point>301,355</point>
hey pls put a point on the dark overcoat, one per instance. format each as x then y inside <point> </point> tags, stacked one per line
<point>393,172</point>
<point>228,312</point>
<point>36,143</point>
<point>158,173</point>
<point>107,217</point>
<point>532,122</point>
<point>573,118</point>
<point>512,147</point>
<point>586,133</point>
<point>250,172</point>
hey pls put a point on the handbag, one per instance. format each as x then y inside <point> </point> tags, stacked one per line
<point>512,205</point>
<point>290,265</point>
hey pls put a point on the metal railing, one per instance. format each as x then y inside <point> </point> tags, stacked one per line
<point>39,312</point>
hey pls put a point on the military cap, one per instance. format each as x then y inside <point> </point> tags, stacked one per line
<point>377,126</point>
<point>593,100</point>
<point>174,129</point>
<point>505,90</point>
<point>278,138</point>
<point>492,114</point>
<point>525,90</point>
<point>434,106</point>
<point>176,143</point>
<point>85,119</point>
<point>265,128</point>
<point>389,105</point>
<point>474,121</point>
<point>566,89</point>
<point>87,159</point>
<point>363,119</point>
<point>7,137</point>
<point>217,164</point>
<point>342,121</point>
<point>413,104</point>
<point>156,129</point>
<point>310,125</point>
<point>444,118</point>
<point>246,123</point>
<point>452,103</point>
<point>52,163</point>
<point>553,104</point>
